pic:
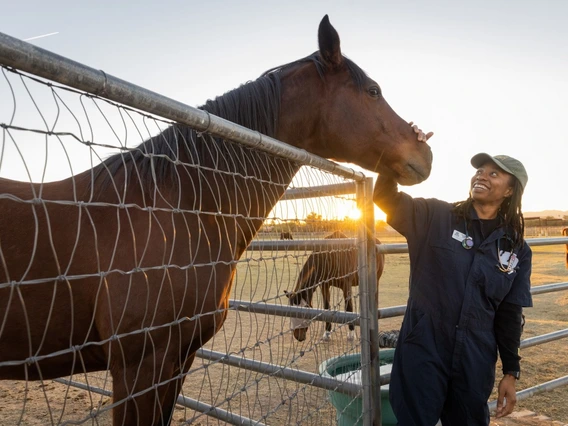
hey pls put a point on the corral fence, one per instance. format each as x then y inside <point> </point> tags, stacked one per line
<point>252,371</point>
<point>537,227</point>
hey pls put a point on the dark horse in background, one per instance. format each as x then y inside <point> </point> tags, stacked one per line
<point>565,233</point>
<point>335,267</point>
<point>286,236</point>
<point>128,267</point>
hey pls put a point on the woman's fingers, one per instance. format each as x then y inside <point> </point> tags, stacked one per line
<point>421,136</point>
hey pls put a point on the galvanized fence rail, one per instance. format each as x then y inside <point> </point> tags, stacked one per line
<point>395,311</point>
<point>28,58</point>
<point>31,59</point>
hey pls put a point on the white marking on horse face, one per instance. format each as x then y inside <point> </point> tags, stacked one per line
<point>326,336</point>
<point>300,322</point>
<point>351,335</point>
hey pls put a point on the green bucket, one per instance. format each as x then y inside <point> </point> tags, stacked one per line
<point>350,409</point>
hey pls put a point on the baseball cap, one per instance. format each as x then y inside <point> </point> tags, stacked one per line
<point>509,164</point>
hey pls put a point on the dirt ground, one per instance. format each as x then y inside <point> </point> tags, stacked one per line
<point>276,401</point>
<point>550,313</point>
<point>526,418</point>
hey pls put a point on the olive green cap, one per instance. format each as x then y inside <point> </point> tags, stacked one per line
<point>509,164</point>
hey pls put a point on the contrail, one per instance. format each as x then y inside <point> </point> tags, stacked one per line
<point>40,36</point>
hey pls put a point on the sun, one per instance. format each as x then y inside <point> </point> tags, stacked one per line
<point>354,213</point>
<point>348,210</point>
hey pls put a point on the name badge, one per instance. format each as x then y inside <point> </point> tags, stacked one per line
<point>458,236</point>
<point>508,260</point>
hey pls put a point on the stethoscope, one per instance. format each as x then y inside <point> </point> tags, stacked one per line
<point>512,255</point>
<point>467,243</point>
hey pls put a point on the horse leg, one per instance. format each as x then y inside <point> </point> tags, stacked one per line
<point>174,390</point>
<point>349,308</point>
<point>326,296</point>
<point>146,409</point>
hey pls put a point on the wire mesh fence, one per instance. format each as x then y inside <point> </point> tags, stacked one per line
<point>123,237</point>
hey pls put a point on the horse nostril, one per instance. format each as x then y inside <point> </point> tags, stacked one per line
<point>299,335</point>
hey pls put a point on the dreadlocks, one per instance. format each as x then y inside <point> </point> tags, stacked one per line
<point>510,211</point>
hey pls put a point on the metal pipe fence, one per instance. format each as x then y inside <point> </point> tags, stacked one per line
<point>314,314</point>
<point>31,59</point>
<point>24,57</point>
<point>40,62</point>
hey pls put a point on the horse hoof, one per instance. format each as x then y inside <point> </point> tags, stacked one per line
<point>326,336</point>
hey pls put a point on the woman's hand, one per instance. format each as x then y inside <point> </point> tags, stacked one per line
<point>422,137</point>
<point>507,392</point>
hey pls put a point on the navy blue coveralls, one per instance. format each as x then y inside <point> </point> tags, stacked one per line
<point>444,366</point>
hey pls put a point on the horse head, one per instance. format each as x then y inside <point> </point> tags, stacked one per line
<point>298,325</point>
<point>341,114</point>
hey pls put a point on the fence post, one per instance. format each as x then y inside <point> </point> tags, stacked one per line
<point>370,367</point>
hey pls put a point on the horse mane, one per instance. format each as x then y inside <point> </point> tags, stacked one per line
<point>358,75</point>
<point>254,104</point>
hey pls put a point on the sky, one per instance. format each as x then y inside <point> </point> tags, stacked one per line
<point>484,76</point>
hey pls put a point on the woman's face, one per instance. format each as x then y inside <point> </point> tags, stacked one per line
<point>491,184</point>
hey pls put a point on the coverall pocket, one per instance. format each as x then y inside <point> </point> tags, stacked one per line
<point>498,285</point>
<point>417,330</point>
<point>442,256</point>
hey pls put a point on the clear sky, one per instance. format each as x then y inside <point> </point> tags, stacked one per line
<point>485,75</point>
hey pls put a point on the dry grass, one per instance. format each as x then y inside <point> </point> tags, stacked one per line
<point>283,402</point>
<point>550,313</point>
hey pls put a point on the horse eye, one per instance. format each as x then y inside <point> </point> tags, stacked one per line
<point>374,91</point>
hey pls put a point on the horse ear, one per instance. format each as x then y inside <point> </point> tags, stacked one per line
<point>288,294</point>
<point>328,40</point>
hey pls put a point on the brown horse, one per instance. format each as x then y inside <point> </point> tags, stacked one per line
<point>128,266</point>
<point>565,233</point>
<point>323,270</point>
<point>286,236</point>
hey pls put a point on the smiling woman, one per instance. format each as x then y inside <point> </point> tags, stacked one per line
<point>470,261</point>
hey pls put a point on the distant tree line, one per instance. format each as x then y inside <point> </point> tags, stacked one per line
<point>315,223</point>
<point>546,221</point>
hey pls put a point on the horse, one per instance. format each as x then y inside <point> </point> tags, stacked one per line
<point>323,270</point>
<point>286,236</point>
<point>128,266</point>
<point>565,233</point>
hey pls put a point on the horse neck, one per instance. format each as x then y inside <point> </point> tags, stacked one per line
<point>306,282</point>
<point>306,294</point>
<point>180,169</point>
<point>253,180</point>
<point>234,178</point>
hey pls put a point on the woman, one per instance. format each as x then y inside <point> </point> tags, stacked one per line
<point>469,279</point>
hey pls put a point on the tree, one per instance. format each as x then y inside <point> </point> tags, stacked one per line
<point>313,221</point>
